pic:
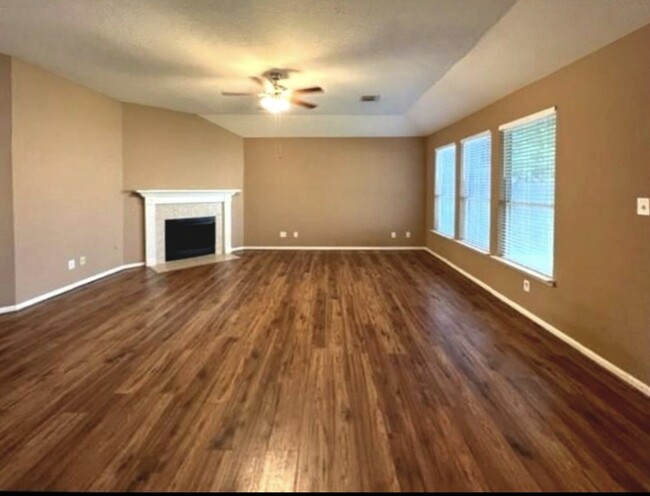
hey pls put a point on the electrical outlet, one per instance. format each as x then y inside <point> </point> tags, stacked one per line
<point>71,264</point>
<point>82,260</point>
<point>408,234</point>
<point>283,234</point>
<point>295,234</point>
<point>643,206</point>
<point>393,234</point>
<point>526,285</point>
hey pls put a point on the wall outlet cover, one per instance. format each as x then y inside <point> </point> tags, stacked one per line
<point>393,235</point>
<point>408,234</point>
<point>295,234</point>
<point>283,234</point>
<point>82,260</point>
<point>643,206</point>
<point>526,285</point>
<point>71,264</point>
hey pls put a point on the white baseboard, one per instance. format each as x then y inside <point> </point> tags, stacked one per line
<point>618,372</point>
<point>332,248</point>
<point>69,287</point>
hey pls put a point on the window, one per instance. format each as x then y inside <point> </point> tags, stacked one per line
<point>444,198</point>
<point>475,191</point>
<point>527,203</point>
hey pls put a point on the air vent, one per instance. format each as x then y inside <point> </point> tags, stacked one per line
<point>370,98</point>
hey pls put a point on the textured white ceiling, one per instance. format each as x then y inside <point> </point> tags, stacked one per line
<point>181,54</point>
<point>432,61</point>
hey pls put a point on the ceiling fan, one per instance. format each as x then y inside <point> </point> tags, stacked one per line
<point>275,97</point>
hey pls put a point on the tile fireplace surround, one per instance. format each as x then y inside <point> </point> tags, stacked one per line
<point>161,205</point>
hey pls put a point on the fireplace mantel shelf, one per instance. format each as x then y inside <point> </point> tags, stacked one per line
<point>187,195</point>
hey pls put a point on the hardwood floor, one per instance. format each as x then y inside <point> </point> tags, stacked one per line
<point>306,371</point>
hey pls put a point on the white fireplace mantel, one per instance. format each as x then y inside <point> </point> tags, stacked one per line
<point>154,197</point>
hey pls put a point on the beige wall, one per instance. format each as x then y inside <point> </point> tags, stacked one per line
<point>67,177</point>
<point>334,192</point>
<point>173,150</point>
<point>7,282</point>
<point>602,298</point>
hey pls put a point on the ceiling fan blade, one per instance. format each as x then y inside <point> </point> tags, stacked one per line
<point>313,89</point>
<point>303,104</point>
<point>235,93</point>
<point>259,80</point>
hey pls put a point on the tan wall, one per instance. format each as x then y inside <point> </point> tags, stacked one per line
<point>67,173</point>
<point>334,192</point>
<point>602,298</point>
<point>173,150</point>
<point>7,282</point>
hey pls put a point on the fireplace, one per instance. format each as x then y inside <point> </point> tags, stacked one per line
<point>186,238</point>
<point>163,205</point>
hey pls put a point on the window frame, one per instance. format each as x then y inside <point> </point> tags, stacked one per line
<point>498,256</point>
<point>461,169</point>
<point>435,209</point>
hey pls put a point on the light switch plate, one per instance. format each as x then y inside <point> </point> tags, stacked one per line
<point>71,264</point>
<point>643,206</point>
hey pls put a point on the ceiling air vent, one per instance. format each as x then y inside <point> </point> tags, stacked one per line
<point>369,98</point>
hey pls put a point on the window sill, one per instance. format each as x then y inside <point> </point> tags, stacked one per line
<point>445,236</point>
<point>472,247</point>
<point>531,273</point>
<point>535,275</point>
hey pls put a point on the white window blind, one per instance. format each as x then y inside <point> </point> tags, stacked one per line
<point>528,192</point>
<point>475,191</point>
<point>444,200</point>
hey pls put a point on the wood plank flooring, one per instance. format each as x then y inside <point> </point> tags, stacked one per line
<point>306,371</point>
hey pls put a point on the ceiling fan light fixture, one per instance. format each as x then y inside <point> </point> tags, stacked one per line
<point>275,103</point>
<point>276,98</point>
